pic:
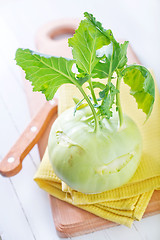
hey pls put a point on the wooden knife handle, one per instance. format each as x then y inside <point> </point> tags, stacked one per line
<point>12,162</point>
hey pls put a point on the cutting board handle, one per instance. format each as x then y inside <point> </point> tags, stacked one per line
<point>12,162</point>
<point>53,37</point>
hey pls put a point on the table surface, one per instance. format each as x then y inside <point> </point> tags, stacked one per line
<point>24,208</point>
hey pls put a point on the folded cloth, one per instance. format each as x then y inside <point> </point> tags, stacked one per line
<point>123,211</point>
<point>128,202</point>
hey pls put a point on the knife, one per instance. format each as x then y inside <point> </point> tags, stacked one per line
<point>12,162</point>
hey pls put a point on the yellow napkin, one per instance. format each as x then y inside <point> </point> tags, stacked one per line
<point>127,203</point>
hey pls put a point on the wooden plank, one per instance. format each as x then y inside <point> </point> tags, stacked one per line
<point>120,233</point>
<point>10,206</point>
<point>148,227</point>
<point>34,202</point>
<point>11,82</point>
<point>14,100</point>
<point>27,191</point>
<point>10,212</point>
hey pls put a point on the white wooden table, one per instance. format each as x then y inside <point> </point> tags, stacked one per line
<point>24,208</point>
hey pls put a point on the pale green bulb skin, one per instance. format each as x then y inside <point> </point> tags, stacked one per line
<point>81,164</point>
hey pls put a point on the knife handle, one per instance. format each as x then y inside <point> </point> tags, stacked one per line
<point>12,162</point>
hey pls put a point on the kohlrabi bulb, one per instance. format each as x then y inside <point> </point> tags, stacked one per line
<point>92,162</point>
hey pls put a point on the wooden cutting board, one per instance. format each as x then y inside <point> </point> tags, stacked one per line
<point>69,220</point>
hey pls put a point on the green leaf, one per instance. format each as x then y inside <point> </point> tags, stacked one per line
<point>98,85</point>
<point>108,95</point>
<point>122,56</point>
<point>83,77</point>
<point>105,91</point>
<point>115,59</point>
<point>101,70</point>
<point>105,107</point>
<point>107,33</point>
<point>119,58</point>
<point>85,42</point>
<point>47,74</point>
<point>97,55</point>
<point>142,86</point>
<point>91,36</point>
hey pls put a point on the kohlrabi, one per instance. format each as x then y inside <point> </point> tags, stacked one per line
<point>93,147</point>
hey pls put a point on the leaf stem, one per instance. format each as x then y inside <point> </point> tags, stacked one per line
<point>92,91</point>
<point>96,127</point>
<point>110,68</point>
<point>118,103</point>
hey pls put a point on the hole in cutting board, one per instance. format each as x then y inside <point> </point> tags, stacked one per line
<point>62,33</point>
